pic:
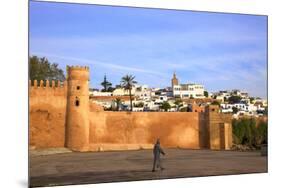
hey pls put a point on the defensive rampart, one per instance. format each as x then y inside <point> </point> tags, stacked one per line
<point>61,115</point>
<point>140,129</point>
<point>47,114</point>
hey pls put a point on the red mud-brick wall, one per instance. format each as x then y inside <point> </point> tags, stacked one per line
<point>47,111</point>
<point>175,129</point>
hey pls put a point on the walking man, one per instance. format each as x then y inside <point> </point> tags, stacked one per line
<point>157,151</point>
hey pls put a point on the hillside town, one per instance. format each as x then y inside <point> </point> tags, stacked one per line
<point>178,97</point>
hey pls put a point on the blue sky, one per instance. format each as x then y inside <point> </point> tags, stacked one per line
<point>220,51</point>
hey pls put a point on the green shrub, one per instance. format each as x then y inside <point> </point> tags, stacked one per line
<point>216,103</point>
<point>184,109</point>
<point>247,132</point>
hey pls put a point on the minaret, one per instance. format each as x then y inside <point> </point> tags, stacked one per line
<point>77,117</point>
<point>175,81</point>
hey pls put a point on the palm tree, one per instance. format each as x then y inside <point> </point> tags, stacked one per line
<point>178,103</point>
<point>118,101</point>
<point>127,83</point>
<point>105,84</point>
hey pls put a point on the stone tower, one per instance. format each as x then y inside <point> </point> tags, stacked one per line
<point>175,81</point>
<point>77,118</point>
<point>219,128</point>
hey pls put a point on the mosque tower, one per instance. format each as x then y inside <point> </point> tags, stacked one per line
<point>174,80</point>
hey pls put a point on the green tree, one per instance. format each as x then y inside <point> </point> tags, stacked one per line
<point>266,111</point>
<point>225,99</point>
<point>110,89</point>
<point>184,109</point>
<point>238,131</point>
<point>206,94</point>
<point>252,99</point>
<point>262,132</point>
<point>127,83</point>
<point>42,69</point>
<point>118,102</point>
<point>165,106</point>
<point>247,132</point>
<point>251,131</point>
<point>215,102</point>
<point>105,84</point>
<point>234,99</point>
<point>141,104</point>
<point>234,110</point>
<point>178,103</point>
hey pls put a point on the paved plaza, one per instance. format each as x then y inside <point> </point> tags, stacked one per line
<point>66,168</point>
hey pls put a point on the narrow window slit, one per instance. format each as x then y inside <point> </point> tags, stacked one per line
<point>77,102</point>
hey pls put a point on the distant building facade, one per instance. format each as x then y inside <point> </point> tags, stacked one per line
<point>187,90</point>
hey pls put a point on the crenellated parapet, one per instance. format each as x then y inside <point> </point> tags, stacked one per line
<point>52,84</point>
<point>77,73</point>
<point>46,87</point>
<point>77,67</point>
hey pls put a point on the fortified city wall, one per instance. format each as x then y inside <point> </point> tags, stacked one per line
<point>47,114</point>
<point>137,130</point>
<point>63,116</point>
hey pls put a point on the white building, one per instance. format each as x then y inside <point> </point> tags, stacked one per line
<point>151,105</point>
<point>249,109</point>
<point>143,92</point>
<point>220,97</point>
<point>226,110</point>
<point>105,104</point>
<point>122,91</point>
<point>99,93</point>
<point>188,90</point>
<point>161,99</point>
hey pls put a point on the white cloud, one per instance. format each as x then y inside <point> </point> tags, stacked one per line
<point>101,64</point>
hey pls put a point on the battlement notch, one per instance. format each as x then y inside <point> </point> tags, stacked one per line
<point>46,84</point>
<point>77,67</point>
<point>77,73</point>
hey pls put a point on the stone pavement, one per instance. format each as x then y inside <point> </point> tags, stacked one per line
<point>98,167</point>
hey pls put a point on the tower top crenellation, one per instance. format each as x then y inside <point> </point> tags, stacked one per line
<point>77,67</point>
